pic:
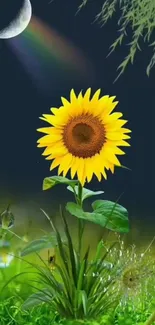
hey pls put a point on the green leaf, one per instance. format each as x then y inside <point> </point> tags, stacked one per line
<point>39,244</point>
<point>117,215</point>
<point>37,298</point>
<point>86,193</point>
<point>105,213</point>
<point>78,212</point>
<point>124,167</point>
<point>50,182</point>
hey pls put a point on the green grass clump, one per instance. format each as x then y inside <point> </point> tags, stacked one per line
<point>113,286</point>
<point>78,288</point>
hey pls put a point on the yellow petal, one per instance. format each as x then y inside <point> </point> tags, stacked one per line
<point>54,110</point>
<point>102,159</point>
<point>87,95</point>
<point>97,108</point>
<point>50,158</point>
<point>98,163</point>
<point>76,108</point>
<point>40,145</point>
<point>80,97</point>
<point>111,98</point>
<point>74,167</point>
<point>96,96</point>
<point>104,173</point>
<point>98,175</point>
<point>56,162</point>
<point>103,100</point>
<point>112,117</point>
<point>47,118</point>
<point>47,151</point>
<point>65,102</point>
<point>113,127</point>
<point>112,146</point>
<point>89,169</point>
<point>65,164</point>
<point>53,144</point>
<point>124,130</point>
<point>110,107</point>
<point>72,96</point>
<point>85,104</point>
<point>112,167</point>
<point>49,139</point>
<point>58,111</point>
<point>47,130</point>
<point>118,151</point>
<point>112,158</point>
<point>57,120</point>
<point>116,136</point>
<point>93,104</point>
<point>59,151</point>
<point>121,143</point>
<point>81,171</point>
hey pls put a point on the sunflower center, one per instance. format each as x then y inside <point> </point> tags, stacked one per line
<point>84,136</point>
<point>82,133</point>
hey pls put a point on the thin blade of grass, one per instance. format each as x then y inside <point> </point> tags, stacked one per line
<point>70,246</point>
<point>13,278</point>
<point>60,244</point>
<point>97,268</point>
<point>84,302</point>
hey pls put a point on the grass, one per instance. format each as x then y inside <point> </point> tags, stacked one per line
<point>136,305</point>
<point>113,286</point>
<point>78,288</point>
<point>11,313</point>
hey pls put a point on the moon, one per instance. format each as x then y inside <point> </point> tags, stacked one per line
<point>19,24</point>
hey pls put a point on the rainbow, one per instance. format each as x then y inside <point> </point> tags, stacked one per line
<point>46,55</point>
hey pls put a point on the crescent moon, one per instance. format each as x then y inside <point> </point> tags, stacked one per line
<point>18,25</point>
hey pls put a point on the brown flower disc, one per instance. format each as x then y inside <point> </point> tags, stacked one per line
<point>84,136</point>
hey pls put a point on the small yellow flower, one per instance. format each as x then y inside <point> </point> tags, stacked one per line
<point>84,136</point>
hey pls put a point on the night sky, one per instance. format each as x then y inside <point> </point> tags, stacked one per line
<point>22,168</point>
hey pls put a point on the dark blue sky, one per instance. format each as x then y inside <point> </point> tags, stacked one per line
<point>22,167</point>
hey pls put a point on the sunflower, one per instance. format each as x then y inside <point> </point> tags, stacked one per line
<point>84,136</point>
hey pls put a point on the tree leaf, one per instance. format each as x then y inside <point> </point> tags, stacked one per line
<point>50,182</point>
<point>105,213</point>
<point>39,244</point>
<point>37,298</point>
<point>86,193</point>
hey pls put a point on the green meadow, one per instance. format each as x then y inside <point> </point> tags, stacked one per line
<point>62,271</point>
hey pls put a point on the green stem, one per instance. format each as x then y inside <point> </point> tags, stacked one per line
<point>80,221</point>
<point>13,233</point>
<point>3,234</point>
<point>151,319</point>
<point>75,195</point>
<point>79,196</point>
